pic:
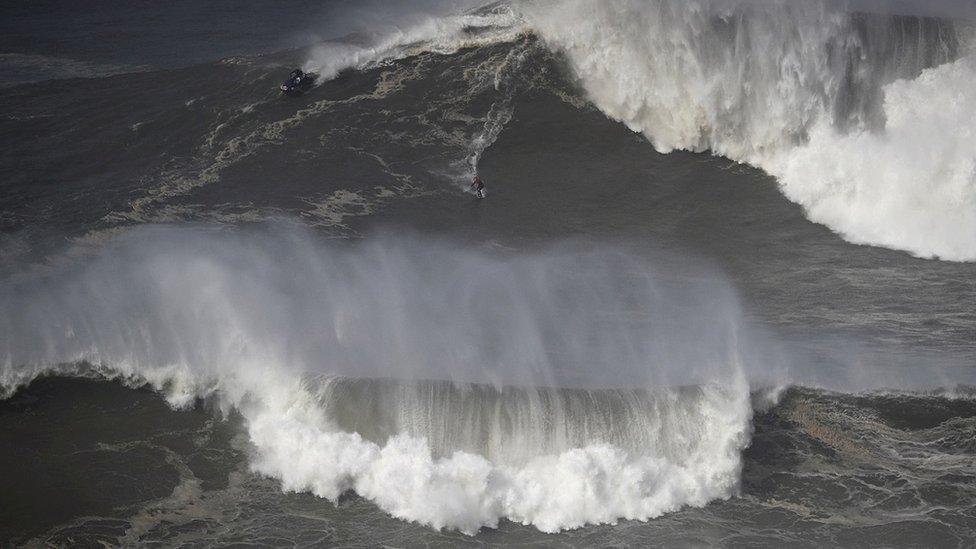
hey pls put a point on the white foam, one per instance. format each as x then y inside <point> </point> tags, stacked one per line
<point>912,187</point>
<point>444,34</point>
<point>596,483</point>
<point>262,323</point>
<point>768,83</point>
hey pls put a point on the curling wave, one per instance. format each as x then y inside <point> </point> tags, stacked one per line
<point>434,380</point>
<point>865,119</point>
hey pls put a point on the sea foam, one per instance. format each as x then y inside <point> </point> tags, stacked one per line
<point>453,387</point>
<point>865,119</point>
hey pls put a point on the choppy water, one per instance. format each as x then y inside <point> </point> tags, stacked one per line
<point>632,340</point>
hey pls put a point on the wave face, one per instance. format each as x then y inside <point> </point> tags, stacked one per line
<point>434,380</point>
<point>863,118</point>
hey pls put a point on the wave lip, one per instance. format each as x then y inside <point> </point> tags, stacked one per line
<point>864,119</point>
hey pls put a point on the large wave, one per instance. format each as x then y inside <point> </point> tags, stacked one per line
<point>554,387</point>
<point>862,116</point>
<point>454,387</point>
<point>865,119</point>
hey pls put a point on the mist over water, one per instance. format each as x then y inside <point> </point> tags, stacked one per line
<point>480,352</point>
<point>391,307</point>
<point>509,372</point>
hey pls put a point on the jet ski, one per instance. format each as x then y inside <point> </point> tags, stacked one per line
<point>298,82</point>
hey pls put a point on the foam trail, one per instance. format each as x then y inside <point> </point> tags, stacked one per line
<point>398,35</point>
<point>504,81</point>
<point>295,335</point>
<point>865,119</point>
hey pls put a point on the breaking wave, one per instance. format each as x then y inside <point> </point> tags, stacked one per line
<point>865,119</point>
<point>555,387</point>
<point>452,387</point>
<point>862,117</point>
<point>412,33</point>
<point>465,456</point>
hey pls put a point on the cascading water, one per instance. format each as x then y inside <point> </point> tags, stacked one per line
<point>449,386</point>
<point>864,118</point>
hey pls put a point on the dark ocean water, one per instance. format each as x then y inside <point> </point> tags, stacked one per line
<point>167,216</point>
<point>100,463</point>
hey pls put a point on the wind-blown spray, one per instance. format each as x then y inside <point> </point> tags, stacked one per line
<point>453,387</point>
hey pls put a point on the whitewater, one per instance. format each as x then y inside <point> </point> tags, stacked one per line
<point>560,384</point>
<point>864,118</point>
<point>278,327</point>
<point>866,124</point>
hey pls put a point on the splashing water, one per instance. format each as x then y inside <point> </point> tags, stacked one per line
<point>451,387</point>
<point>864,119</point>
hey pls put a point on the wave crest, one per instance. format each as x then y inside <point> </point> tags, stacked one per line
<point>863,118</point>
<point>524,418</point>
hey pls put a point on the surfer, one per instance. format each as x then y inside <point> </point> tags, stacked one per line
<point>478,187</point>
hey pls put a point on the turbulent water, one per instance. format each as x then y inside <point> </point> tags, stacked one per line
<point>722,290</point>
<point>793,88</point>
